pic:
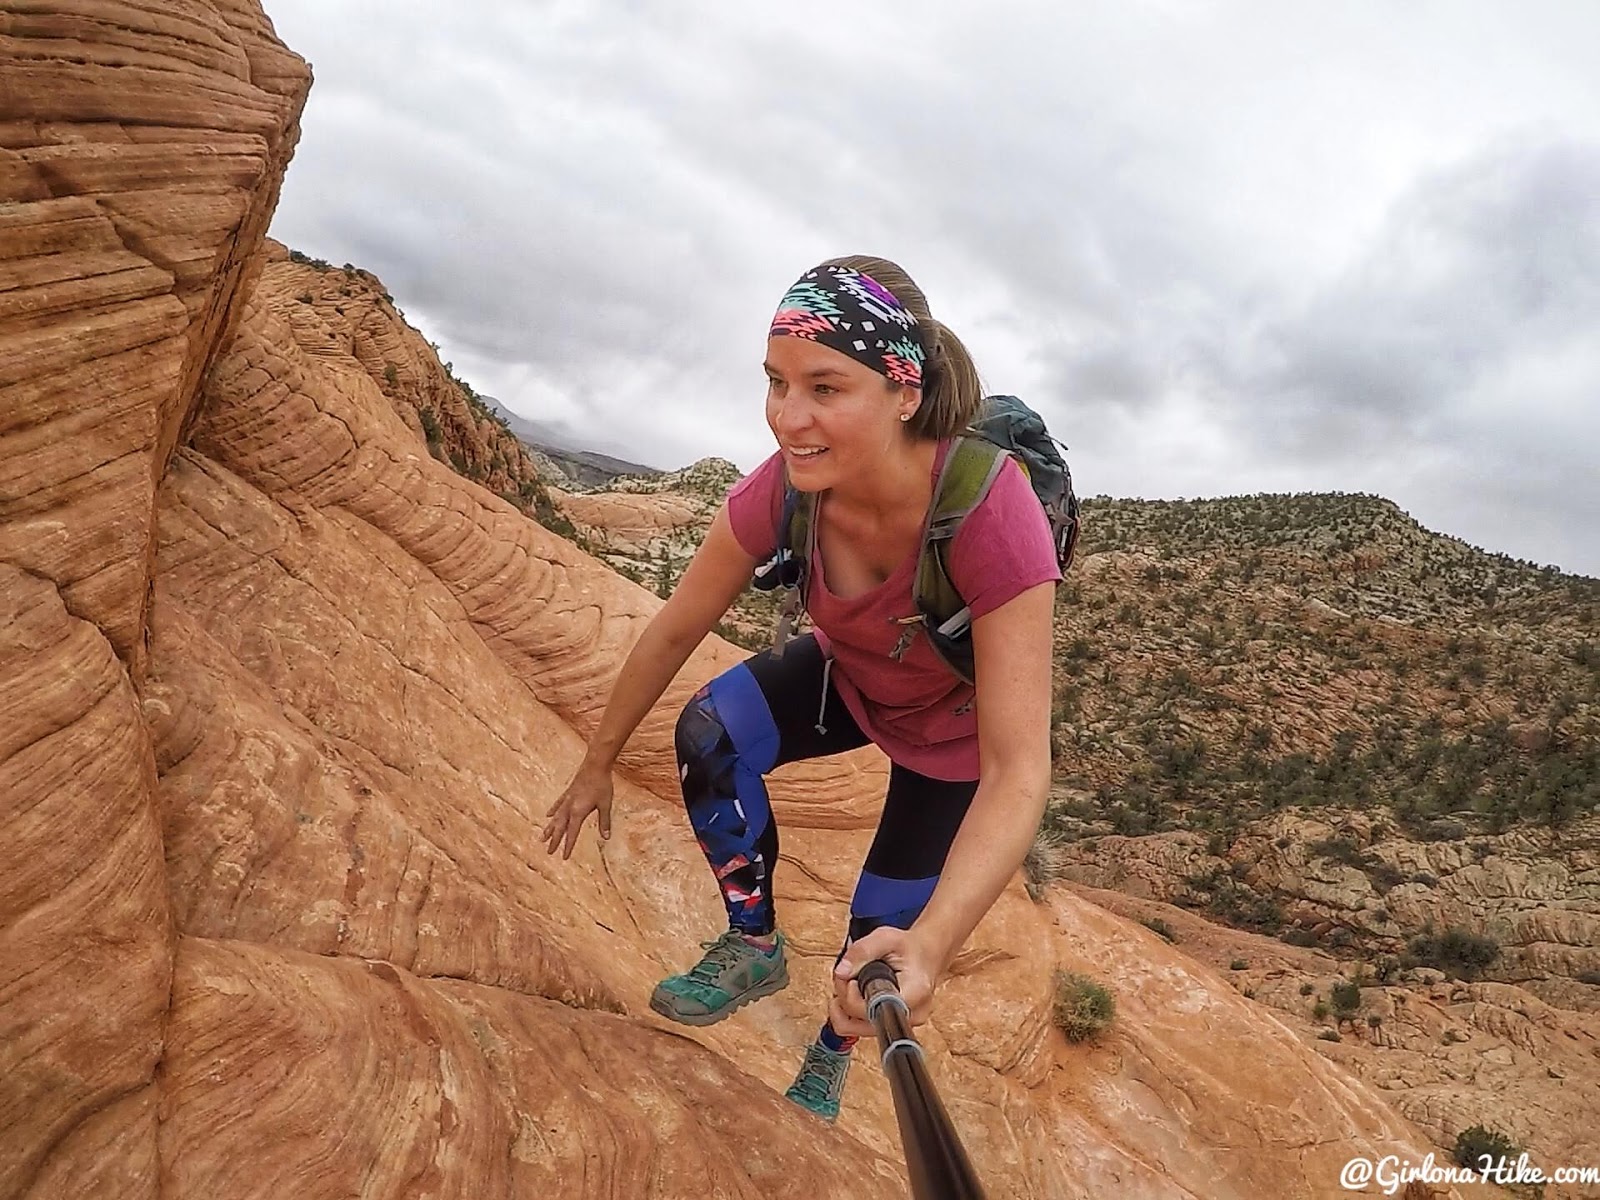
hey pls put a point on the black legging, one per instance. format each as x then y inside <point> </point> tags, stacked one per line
<point>771,710</point>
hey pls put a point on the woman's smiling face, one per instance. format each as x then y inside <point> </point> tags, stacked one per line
<point>834,418</point>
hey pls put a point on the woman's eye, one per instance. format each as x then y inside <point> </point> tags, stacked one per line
<point>823,389</point>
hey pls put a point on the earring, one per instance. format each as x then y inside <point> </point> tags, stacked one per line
<point>905,416</point>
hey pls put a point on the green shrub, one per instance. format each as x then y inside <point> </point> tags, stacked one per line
<point>1238,964</point>
<point>1346,996</point>
<point>1475,1143</point>
<point>1320,1010</point>
<point>299,256</point>
<point>1157,925</point>
<point>1046,863</point>
<point>750,640</point>
<point>1339,849</point>
<point>1384,876</point>
<point>1457,952</point>
<point>1306,989</point>
<point>1082,1007</point>
<point>430,425</point>
<point>1328,1035</point>
<point>1443,830</point>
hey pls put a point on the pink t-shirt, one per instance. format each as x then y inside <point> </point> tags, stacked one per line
<point>916,710</point>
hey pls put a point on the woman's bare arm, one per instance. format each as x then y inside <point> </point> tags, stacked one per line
<point>716,575</point>
<point>1012,652</point>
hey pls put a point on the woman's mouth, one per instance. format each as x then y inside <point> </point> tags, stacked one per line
<point>805,453</point>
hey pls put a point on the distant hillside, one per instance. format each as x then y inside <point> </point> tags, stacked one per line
<point>578,465</point>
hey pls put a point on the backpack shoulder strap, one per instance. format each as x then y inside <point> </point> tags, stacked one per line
<point>970,469</point>
<point>797,544</point>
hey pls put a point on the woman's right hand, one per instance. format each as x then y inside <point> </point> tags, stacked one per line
<point>589,791</point>
<point>718,572</point>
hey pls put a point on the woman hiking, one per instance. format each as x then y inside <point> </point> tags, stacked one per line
<point>865,392</point>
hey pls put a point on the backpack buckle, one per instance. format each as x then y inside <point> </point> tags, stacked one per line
<point>787,620</point>
<point>956,625</point>
<point>908,632</point>
<point>781,570</point>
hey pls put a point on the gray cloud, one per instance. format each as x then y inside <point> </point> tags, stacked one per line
<point>1458,352</point>
<point>1493,262</point>
<point>1223,248</point>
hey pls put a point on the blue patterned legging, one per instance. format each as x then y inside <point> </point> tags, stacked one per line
<point>766,712</point>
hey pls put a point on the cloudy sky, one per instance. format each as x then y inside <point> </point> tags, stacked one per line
<point>1222,247</point>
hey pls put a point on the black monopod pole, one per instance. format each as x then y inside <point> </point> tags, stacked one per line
<point>935,1159</point>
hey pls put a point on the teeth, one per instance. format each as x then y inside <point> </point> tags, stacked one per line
<point>807,453</point>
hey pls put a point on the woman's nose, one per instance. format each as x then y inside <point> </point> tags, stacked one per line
<point>791,415</point>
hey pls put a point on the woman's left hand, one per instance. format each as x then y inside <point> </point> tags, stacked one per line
<point>917,965</point>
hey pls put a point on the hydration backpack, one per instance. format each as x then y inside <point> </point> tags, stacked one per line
<point>1005,426</point>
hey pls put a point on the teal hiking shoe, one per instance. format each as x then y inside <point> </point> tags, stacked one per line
<point>732,974</point>
<point>821,1081</point>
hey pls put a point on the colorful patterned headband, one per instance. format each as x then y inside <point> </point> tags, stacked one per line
<point>851,312</point>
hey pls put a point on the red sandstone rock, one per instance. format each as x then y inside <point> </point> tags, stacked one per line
<point>141,151</point>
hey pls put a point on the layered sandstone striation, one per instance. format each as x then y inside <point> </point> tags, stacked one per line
<point>345,316</point>
<point>284,697</point>
<point>141,152</point>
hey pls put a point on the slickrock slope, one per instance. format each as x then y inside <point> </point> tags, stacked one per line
<point>1446,1053</point>
<point>274,749</point>
<point>344,314</point>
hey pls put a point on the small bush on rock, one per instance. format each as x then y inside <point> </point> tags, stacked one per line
<point>1475,1143</point>
<point>1082,1007</point>
<point>1045,864</point>
<point>1346,995</point>
<point>1456,951</point>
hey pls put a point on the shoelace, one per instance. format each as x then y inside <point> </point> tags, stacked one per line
<point>720,955</point>
<point>725,952</point>
<point>815,1070</point>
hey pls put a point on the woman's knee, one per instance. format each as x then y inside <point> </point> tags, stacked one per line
<point>720,776</point>
<point>727,724</point>
<point>701,743</point>
<point>697,726</point>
